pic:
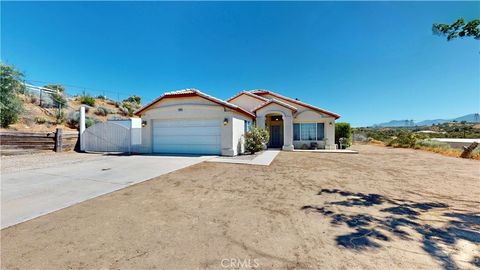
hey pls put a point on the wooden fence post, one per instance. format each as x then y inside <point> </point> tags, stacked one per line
<point>58,140</point>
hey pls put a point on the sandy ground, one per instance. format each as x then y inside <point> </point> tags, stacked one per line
<point>381,209</point>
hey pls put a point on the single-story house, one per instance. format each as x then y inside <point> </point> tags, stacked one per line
<point>192,122</point>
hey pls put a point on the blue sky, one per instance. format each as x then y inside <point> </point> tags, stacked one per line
<point>368,61</point>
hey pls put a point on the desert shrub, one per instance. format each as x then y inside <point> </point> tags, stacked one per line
<point>88,100</point>
<point>128,108</point>
<point>133,99</point>
<point>102,97</point>
<point>10,105</point>
<point>432,144</point>
<point>112,102</point>
<point>73,120</point>
<point>59,100</point>
<point>343,130</point>
<point>123,111</point>
<point>255,139</point>
<point>102,111</point>
<point>33,99</point>
<point>404,139</point>
<point>46,102</point>
<point>59,116</point>
<point>40,120</point>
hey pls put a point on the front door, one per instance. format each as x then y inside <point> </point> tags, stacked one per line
<point>275,137</point>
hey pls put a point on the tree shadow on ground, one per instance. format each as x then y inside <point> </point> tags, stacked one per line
<point>370,231</point>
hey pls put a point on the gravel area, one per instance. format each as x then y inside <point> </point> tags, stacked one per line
<point>42,160</point>
<point>380,209</point>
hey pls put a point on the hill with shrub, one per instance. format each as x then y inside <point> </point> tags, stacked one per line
<point>27,110</point>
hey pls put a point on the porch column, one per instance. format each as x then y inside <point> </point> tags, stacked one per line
<point>260,121</point>
<point>287,133</point>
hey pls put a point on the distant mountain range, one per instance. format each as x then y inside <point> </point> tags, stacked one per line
<point>471,118</point>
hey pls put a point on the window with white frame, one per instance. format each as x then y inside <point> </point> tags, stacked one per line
<point>248,126</point>
<point>308,131</point>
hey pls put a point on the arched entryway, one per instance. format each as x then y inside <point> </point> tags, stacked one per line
<point>277,121</point>
<point>275,127</point>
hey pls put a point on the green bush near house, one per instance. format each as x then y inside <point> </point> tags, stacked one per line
<point>343,130</point>
<point>255,139</point>
<point>88,100</point>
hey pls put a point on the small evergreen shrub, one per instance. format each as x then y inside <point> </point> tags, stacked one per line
<point>343,130</point>
<point>87,100</point>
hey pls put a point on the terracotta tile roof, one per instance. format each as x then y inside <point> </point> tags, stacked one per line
<point>195,92</point>
<point>273,100</point>
<point>260,92</point>
<point>248,94</point>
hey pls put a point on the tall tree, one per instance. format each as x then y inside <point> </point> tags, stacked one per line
<point>458,29</point>
<point>10,85</point>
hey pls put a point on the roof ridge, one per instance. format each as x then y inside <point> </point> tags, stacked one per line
<point>299,102</point>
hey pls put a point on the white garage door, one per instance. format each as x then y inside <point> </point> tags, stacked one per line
<point>186,136</point>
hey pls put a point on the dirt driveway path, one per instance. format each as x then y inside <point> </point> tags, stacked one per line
<point>36,185</point>
<point>380,209</point>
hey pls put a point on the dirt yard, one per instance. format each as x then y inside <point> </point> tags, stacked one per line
<point>381,209</point>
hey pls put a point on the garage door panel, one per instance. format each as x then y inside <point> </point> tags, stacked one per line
<point>187,139</point>
<point>187,123</point>
<point>189,149</point>
<point>187,131</point>
<point>187,136</point>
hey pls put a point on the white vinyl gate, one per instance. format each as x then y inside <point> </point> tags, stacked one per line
<point>107,137</point>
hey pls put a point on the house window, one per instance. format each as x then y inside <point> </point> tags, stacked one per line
<point>248,126</point>
<point>320,131</point>
<point>296,132</point>
<point>308,131</point>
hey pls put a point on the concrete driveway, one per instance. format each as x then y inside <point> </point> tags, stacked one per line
<point>29,193</point>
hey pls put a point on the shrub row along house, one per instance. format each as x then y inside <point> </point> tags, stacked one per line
<point>189,121</point>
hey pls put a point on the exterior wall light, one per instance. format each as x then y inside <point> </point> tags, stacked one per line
<point>331,123</point>
<point>225,121</point>
<point>144,123</point>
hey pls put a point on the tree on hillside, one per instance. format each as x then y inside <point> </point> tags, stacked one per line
<point>458,29</point>
<point>10,85</point>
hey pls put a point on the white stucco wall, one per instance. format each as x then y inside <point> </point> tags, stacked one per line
<point>238,126</point>
<point>306,115</point>
<point>287,117</point>
<point>194,108</point>
<point>310,116</point>
<point>247,102</point>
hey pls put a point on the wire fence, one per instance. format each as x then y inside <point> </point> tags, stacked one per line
<point>36,87</point>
